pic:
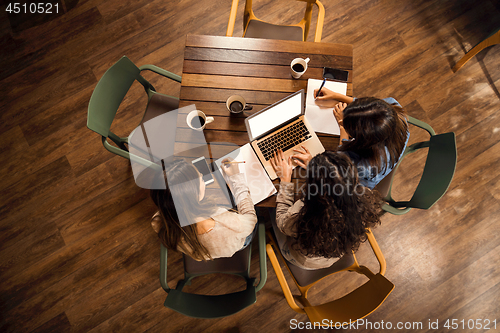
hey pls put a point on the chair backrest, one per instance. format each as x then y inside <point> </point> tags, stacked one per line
<point>109,93</point>
<point>208,306</point>
<point>385,185</point>
<point>438,172</point>
<point>262,29</point>
<point>237,264</point>
<point>356,305</point>
<point>436,178</point>
<point>305,277</point>
<point>437,175</point>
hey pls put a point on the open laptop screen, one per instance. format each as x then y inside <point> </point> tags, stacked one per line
<point>275,115</point>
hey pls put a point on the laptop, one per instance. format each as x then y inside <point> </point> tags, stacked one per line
<point>282,125</point>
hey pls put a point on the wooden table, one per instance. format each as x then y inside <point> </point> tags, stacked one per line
<point>259,70</point>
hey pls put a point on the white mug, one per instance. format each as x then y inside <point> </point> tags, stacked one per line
<point>241,104</point>
<point>298,66</point>
<point>197,120</point>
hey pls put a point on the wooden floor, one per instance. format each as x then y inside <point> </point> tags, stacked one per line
<point>77,253</point>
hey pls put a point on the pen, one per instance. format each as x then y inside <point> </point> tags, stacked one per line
<point>320,87</point>
<point>234,162</point>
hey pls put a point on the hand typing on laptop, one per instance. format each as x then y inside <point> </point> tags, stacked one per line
<point>282,166</point>
<point>302,157</point>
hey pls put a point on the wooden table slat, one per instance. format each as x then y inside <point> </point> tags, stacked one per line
<point>251,70</point>
<point>267,57</point>
<point>221,95</point>
<point>249,83</point>
<point>230,124</point>
<point>240,43</point>
<point>195,94</point>
<point>219,108</point>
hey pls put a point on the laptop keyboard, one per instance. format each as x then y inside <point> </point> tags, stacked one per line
<point>285,139</point>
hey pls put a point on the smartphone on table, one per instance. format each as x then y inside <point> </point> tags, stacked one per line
<point>201,165</point>
<point>335,74</point>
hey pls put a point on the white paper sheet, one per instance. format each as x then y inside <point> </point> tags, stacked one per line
<point>258,181</point>
<point>320,113</point>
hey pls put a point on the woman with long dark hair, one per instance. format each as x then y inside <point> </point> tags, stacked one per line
<point>190,222</point>
<point>332,216</point>
<point>373,132</point>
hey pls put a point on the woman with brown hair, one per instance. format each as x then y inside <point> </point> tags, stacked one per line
<point>373,132</point>
<point>331,218</point>
<point>189,222</point>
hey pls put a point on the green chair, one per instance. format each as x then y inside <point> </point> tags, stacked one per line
<point>109,93</point>
<point>436,177</point>
<point>357,304</point>
<point>216,306</point>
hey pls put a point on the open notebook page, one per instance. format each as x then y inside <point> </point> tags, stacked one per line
<point>320,113</point>
<point>258,181</point>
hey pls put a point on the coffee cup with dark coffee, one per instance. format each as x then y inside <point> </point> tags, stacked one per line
<point>236,104</point>
<point>197,120</point>
<point>298,66</point>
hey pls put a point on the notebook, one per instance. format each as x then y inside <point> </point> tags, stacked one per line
<point>320,113</point>
<point>282,125</point>
<point>259,184</point>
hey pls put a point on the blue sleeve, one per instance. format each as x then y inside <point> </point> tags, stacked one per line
<point>392,101</point>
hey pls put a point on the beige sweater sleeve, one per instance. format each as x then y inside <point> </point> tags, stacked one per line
<point>231,229</point>
<point>241,193</point>
<point>287,212</point>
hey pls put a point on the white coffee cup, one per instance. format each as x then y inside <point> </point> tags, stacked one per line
<point>236,104</point>
<point>197,120</point>
<point>298,66</point>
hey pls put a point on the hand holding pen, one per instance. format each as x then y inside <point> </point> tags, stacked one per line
<point>319,90</point>
<point>230,167</point>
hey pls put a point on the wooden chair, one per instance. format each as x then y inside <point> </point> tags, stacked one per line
<point>256,28</point>
<point>358,304</point>
<point>492,39</point>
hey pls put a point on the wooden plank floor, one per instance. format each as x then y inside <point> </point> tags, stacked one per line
<point>77,253</point>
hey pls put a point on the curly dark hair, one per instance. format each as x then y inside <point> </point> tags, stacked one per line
<point>337,208</point>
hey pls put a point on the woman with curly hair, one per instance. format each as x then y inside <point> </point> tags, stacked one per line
<point>373,132</point>
<point>331,218</point>
<point>190,222</point>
